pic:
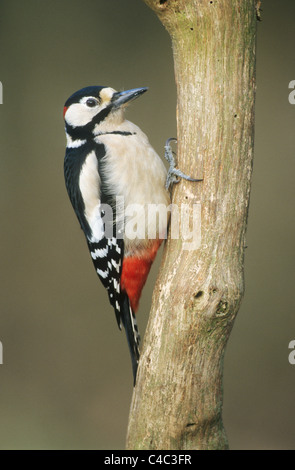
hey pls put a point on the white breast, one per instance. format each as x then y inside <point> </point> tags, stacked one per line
<point>136,173</point>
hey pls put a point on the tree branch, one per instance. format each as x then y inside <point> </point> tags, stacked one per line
<point>177,402</point>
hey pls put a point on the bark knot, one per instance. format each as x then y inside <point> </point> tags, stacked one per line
<point>222,307</point>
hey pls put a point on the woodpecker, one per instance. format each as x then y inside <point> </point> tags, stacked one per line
<point>109,159</point>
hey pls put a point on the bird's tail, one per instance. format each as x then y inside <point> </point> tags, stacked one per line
<point>129,322</point>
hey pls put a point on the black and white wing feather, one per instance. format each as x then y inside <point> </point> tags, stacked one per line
<point>107,256</point>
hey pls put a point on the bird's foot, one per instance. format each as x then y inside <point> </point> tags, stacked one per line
<point>173,174</point>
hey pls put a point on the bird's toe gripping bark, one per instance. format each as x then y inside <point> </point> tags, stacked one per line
<point>173,174</point>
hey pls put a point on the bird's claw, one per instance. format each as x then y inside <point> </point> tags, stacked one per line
<point>173,173</point>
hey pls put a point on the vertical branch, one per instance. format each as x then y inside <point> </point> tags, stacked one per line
<point>177,402</point>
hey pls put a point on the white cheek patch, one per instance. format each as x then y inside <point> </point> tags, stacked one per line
<point>79,114</point>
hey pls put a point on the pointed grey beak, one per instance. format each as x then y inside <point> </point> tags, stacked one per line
<point>123,97</point>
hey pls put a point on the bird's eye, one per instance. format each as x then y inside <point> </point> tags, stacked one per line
<point>91,102</point>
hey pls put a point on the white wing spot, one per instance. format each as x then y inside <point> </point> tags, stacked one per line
<point>116,265</point>
<point>99,253</point>
<point>116,285</point>
<point>103,274</point>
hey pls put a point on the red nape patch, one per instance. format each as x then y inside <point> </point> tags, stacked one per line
<point>65,110</point>
<point>135,271</point>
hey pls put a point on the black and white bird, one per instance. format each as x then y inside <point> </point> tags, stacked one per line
<point>109,168</point>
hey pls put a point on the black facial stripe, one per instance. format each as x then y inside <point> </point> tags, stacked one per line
<point>80,132</point>
<point>124,133</point>
<point>86,131</point>
<point>98,118</point>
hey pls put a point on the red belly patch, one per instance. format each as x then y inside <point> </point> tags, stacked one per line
<point>135,271</point>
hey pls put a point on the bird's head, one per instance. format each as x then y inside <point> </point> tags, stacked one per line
<point>92,108</point>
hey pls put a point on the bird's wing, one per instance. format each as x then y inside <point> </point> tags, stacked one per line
<point>107,256</point>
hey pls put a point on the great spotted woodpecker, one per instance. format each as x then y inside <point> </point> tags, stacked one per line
<point>108,159</point>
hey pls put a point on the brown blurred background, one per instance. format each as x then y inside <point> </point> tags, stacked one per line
<point>66,381</point>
